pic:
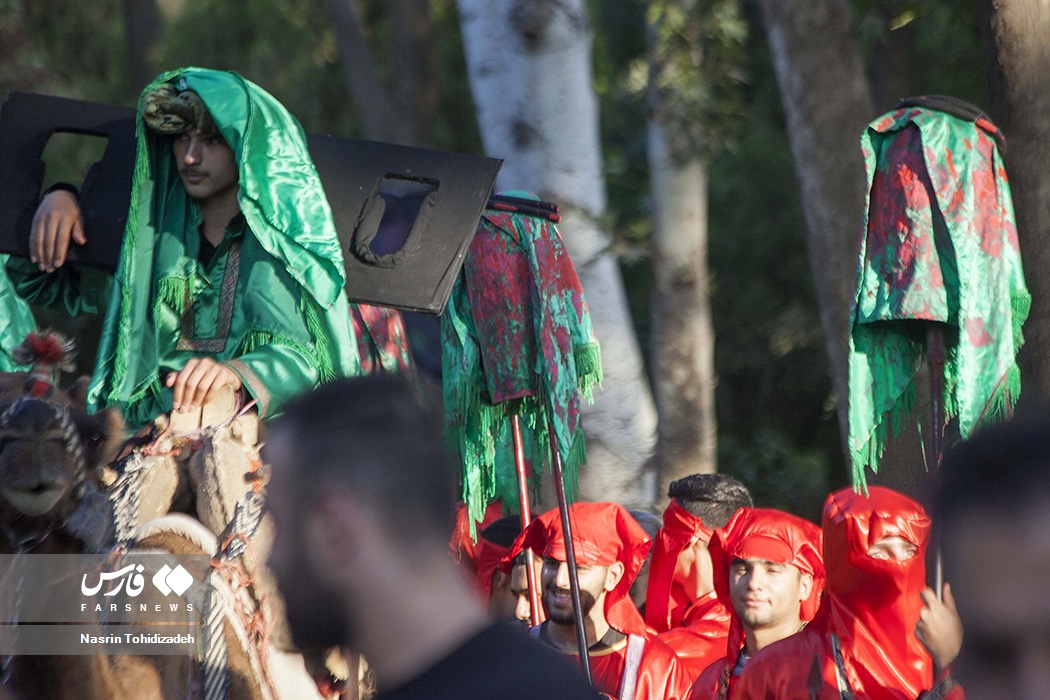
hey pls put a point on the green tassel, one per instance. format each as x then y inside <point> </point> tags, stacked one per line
<point>869,454</point>
<point>322,353</point>
<point>174,292</point>
<point>588,361</point>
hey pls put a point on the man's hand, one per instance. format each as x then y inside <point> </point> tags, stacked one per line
<point>196,383</point>
<point>939,628</point>
<point>57,221</point>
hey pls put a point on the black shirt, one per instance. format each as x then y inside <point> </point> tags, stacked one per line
<point>499,663</point>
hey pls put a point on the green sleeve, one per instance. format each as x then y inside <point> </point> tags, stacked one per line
<point>275,373</point>
<point>74,288</point>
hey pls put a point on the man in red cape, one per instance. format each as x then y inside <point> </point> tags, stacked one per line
<point>610,548</point>
<point>864,636</point>
<point>768,569</point>
<point>681,604</point>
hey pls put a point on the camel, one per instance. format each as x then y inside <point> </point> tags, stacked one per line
<point>52,455</point>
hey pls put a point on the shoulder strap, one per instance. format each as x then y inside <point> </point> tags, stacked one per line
<point>534,632</point>
<point>629,682</point>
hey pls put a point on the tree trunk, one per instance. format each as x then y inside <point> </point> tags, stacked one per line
<point>362,79</point>
<point>529,63</point>
<point>827,105</point>
<point>682,338</point>
<point>418,91</point>
<point>1019,32</point>
<point>141,31</point>
<point>682,345</point>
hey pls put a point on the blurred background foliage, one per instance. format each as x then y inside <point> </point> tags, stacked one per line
<point>776,423</point>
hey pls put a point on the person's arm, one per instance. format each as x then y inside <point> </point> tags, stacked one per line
<point>274,373</point>
<point>940,630</point>
<point>271,375</point>
<point>44,279</point>
<point>278,357</point>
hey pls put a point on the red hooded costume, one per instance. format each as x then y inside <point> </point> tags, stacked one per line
<point>694,628</point>
<point>770,535</point>
<point>869,613</point>
<point>603,534</point>
<point>460,543</point>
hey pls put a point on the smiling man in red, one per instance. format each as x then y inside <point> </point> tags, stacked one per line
<point>768,569</point>
<point>610,548</point>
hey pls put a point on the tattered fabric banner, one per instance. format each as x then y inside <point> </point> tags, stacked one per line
<point>516,338</point>
<point>382,340</point>
<point>940,246</point>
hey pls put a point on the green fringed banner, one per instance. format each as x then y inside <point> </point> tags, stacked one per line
<point>517,339</point>
<point>940,246</point>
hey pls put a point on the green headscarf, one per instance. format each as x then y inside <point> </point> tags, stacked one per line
<point>283,203</point>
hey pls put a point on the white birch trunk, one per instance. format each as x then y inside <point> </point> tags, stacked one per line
<point>529,63</point>
<point>682,347</point>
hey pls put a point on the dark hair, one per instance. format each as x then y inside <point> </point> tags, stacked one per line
<point>711,497</point>
<point>1003,467</point>
<point>647,521</point>
<point>375,436</point>
<point>503,531</point>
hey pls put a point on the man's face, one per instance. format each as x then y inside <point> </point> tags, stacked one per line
<point>510,595</point>
<point>997,563</point>
<point>554,580</point>
<point>317,617</point>
<point>767,594</point>
<point>893,548</point>
<point>206,165</point>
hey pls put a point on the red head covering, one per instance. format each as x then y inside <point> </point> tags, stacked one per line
<point>873,604</point>
<point>461,545</point>
<point>603,534</point>
<point>772,535</point>
<point>665,603</point>
<point>487,558</point>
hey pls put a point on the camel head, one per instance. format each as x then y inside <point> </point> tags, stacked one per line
<point>50,453</point>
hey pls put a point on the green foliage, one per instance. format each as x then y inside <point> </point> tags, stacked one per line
<point>694,71</point>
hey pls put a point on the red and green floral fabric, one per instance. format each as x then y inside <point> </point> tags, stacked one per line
<point>516,338</point>
<point>940,246</point>
<point>382,341</point>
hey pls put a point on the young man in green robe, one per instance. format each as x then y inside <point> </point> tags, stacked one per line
<point>231,273</point>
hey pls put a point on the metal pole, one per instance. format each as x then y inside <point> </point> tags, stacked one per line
<point>526,517</point>
<point>935,359</point>
<point>570,556</point>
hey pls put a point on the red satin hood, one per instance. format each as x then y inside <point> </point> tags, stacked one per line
<point>603,533</point>
<point>873,604</point>
<point>775,536</point>
<point>772,535</point>
<point>665,603</point>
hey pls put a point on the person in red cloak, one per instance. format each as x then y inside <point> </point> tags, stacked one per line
<point>864,638</point>
<point>610,548</point>
<point>768,569</point>
<point>462,545</point>
<point>681,604</point>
